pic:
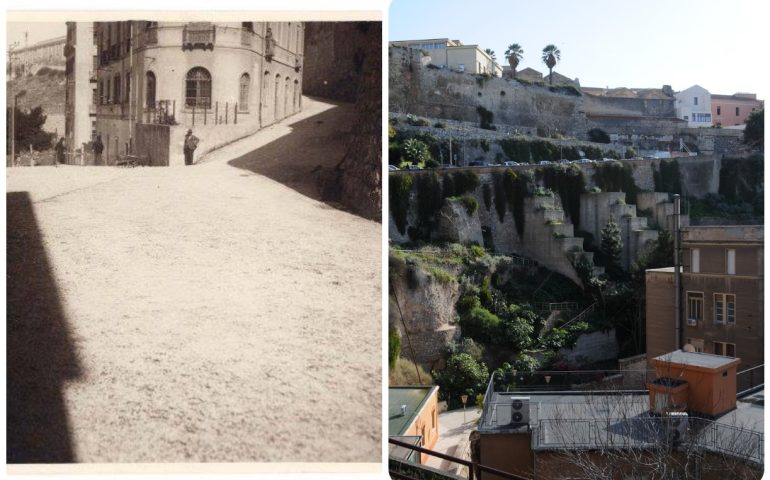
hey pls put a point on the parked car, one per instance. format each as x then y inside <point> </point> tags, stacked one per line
<point>511,164</point>
<point>413,167</point>
<point>393,168</point>
<point>545,162</point>
<point>585,160</point>
<point>476,164</point>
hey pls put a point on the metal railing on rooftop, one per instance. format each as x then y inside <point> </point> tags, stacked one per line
<point>648,432</point>
<point>474,468</point>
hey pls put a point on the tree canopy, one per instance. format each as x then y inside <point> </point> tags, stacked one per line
<point>551,56</point>
<point>755,129</point>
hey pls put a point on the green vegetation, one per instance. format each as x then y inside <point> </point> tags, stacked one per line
<point>715,205</point>
<point>400,185</point>
<point>598,135</point>
<point>612,245</point>
<point>29,130</point>
<point>551,55</point>
<point>630,153</point>
<point>470,203</point>
<point>485,118</point>
<point>514,54</point>
<point>394,347</point>
<point>487,196</point>
<point>616,177</point>
<point>754,134</point>
<point>462,376</point>
<point>415,151</point>
<point>667,177</point>
<point>742,180</point>
<point>416,121</point>
<point>404,372</point>
<point>510,189</point>
<point>568,181</point>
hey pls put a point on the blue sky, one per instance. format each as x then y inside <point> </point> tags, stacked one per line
<point>610,43</point>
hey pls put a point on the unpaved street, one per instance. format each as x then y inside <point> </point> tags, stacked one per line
<point>210,313</point>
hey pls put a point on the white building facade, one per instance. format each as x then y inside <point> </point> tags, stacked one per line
<point>694,106</point>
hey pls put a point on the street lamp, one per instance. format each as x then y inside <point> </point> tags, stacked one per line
<point>464,398</point>
<point>13,125</point>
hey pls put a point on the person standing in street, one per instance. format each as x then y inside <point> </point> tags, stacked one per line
<point>98,149</point>
<point>190,144</point>
<point>60,151</point>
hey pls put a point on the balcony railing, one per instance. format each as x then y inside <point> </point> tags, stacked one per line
<point>200,36</point>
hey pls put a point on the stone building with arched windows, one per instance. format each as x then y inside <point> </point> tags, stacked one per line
<point>223,80</point>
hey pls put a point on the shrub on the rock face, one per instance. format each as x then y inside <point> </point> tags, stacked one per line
<point>400,186</point>
<point>462,376</point>
<point>598,135</point>
<point>470,203</point>
<point>480,324</point>
<point>394,347</point>
<point>415,151</point>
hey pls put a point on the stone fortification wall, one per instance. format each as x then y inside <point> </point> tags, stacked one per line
<point>457,96</point>
<point>634,107</point>
<point>593,347</point>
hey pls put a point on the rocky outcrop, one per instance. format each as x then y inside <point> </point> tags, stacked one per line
<point>456,225</point>
<point>422,308</point>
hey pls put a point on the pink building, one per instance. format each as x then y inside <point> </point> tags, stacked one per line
<point>729,110</point>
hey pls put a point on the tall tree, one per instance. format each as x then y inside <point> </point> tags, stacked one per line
<point>514,54</point>
<point>551,55</point>
<point>755,129</point>
<point>612,245</point>
<point>491,53</point>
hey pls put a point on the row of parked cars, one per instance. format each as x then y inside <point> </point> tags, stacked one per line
<point>510,163</point>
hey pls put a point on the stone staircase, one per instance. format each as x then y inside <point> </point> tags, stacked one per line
<point>635,233</point>
<point>661,207</point>
<point>550,239</point>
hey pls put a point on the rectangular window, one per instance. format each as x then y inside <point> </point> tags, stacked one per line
<point>695,100</point>
<point>719,110</point>
<point>731,261</point>
<point>724,308</point>
<point>695,260</point>
<point>686,117</point>
<point>737,111</point>
<point>724,349</point>
<point>116,86</point>
<point>694,308</point>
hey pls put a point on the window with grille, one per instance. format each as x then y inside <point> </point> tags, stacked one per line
<point>694,307</point>
<point>116,89</point>
<point>724,308</point>
<point>198,88</point>
<point>243,93</point>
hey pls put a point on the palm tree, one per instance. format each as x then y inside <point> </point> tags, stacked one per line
<point>551,55</point>
<point>491,53</point>
<point>514,54</point>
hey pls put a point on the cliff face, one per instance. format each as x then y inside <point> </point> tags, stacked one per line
<point>356,182</point>
<point>427,305</point>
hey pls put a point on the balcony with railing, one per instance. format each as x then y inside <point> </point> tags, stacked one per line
<point>199,35</point>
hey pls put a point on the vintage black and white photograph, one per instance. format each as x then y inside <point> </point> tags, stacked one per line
<point>193,238</point>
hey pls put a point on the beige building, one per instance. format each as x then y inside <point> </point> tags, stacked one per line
<point>79,105</point>
<point>223,80</point>
<point>454,55</point>
<point>722,296</point>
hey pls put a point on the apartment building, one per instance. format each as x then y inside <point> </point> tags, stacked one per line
<point>732,110</point>
<point>454,55</point>
<point>722,293</point>
<point>223,80</point>
<point>694,105</point>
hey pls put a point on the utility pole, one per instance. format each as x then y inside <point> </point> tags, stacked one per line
<point>450,148</point>
<point>677,274</point>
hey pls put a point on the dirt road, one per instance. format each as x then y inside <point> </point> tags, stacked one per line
<point>210,313</point>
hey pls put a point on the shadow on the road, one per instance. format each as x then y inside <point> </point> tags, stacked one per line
<point>314,143</point>
<point>40,355</point>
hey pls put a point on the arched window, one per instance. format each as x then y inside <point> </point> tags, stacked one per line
<point>150,90</point>
<point>198,88</point>
<point>243,93</point>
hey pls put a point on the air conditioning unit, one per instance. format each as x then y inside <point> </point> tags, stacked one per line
<point>675,425</point>
<point>519,410</point>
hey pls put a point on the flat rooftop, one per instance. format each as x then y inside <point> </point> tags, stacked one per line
<point>724,233</point>
<point>696,359</point>
<point>413,398</point>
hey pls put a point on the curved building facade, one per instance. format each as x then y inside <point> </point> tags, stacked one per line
<point>223,80</point>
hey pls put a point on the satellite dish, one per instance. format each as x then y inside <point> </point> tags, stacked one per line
<point>689,348</point>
